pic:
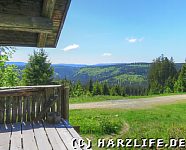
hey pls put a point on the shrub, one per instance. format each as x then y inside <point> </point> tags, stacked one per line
<point>110,125</point>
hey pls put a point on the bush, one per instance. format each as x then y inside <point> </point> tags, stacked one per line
<point>110,125</point>
<point>9,74</point>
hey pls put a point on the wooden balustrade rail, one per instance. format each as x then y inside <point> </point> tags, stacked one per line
<point>30,103</point>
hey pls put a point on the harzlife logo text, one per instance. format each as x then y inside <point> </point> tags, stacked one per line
<point>129,143</point>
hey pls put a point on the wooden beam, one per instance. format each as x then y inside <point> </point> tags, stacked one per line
<point>25,23</point>
<point>65,103</point>
<point>48,8</point>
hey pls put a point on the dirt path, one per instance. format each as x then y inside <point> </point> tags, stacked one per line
<point>131,103</point>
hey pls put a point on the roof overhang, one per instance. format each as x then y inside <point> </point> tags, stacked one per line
<point>32,23</point>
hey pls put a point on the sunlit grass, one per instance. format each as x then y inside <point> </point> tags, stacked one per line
<point>158,122</point>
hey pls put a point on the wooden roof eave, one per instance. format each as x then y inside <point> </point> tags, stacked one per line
<point>62,22</point>
<point>48,8</point>
<point>25,23</point>
<point>35,24</point>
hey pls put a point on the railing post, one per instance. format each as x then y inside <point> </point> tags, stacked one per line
<point>2,108</point>
<point>8,109</point>
<point>65,102</point>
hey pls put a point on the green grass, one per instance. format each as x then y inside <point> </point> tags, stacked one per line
<point>159,122</point>
<point>99,98</point>
<point>96,71</point>
<point>85,99</point>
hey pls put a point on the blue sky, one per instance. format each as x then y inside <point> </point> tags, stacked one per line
<point>102,31</point>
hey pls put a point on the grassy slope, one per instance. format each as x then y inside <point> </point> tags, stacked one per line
<point>159,122</point>
<point>94,71</point>
<point>123,72</point>
<point>86,99</point>
<point>127,77</point>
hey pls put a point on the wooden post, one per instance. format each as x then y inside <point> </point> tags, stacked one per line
<point>43,97</point>
<point>2,109</point>
<point>53,107</point>
<point>62,101</point>
<point>28,108</point>
<point>38,108</point>
<point>14,110</point>
<point>8,109</point>
<point>59,100</point>
<point>20,109</point>
<point>65,103</point>
<point>33,108</point>
<point>24,108</point>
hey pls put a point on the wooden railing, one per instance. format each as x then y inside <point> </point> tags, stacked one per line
<point>30,103</point>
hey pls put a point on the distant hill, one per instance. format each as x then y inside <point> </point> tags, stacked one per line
<point>133,74</point>
<point>121,73</point>
<point>71,65</point>
<point>16,63</point>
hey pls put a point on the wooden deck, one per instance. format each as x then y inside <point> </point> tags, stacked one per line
<point>37,136</point>
<point>24,112</point>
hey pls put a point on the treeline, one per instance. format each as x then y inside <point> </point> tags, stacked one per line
<point>103,88</point>
<point>163,76</point>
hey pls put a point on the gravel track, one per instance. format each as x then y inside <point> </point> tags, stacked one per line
<point>140,103</point>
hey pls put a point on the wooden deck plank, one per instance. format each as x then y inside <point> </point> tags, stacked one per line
<point>56,142</point>
<point>38,136</point>
<point>71,130</point>
<point>29,142</point>
<point>5,134</point>
<point>16,137</point>
<point>65,135</point>
<point>41,137</point>
<point>73,133</point>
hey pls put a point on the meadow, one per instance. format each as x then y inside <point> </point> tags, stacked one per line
<point>158,122</point>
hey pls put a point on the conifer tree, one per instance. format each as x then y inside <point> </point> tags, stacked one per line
<point>180,84</point>
<point>90,86</point>
<point>38,71</point>
<point>105,89</point>
<point>162,75</point>
<point>97,90</point>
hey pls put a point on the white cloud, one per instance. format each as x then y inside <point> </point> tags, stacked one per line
<point>134,40</point>
<point>107,54</point>
<point>71,47</point>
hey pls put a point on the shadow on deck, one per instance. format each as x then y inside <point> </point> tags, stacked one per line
<point>37,136</point>
<point>21,112</point>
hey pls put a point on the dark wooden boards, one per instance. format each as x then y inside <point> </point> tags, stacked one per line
<point>34,13</point>
<point>24,104</point>
<point>25,23</point>
<point>47,11</point>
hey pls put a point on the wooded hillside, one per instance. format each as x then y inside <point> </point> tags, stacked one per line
<point>126,73</point>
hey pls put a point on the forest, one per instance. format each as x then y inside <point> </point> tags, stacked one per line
<point>163,75</point>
